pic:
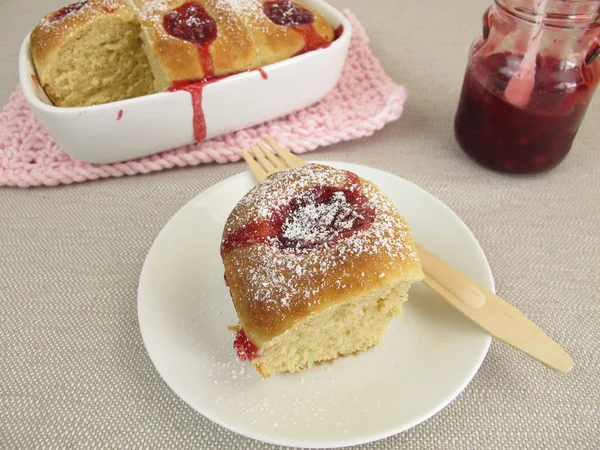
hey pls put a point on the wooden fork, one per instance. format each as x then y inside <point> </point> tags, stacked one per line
<point>495,315</point>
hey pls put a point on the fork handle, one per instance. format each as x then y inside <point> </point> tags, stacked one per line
<point>495,315</point>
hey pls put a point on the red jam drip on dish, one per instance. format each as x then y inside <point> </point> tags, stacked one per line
<point>120,114</point>
<point>199,122</point>
<point>67,10</point>
<point>505,137</point>
<point>195,87</point>
<point>262,73</point>
<point>246,350</point>
<point>286,13</point>
<point>336,213</point>
<point>191,23</point>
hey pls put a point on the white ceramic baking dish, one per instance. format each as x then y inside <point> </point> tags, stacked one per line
<point>145,125</point>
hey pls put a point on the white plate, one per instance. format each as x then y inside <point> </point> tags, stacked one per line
<point>427,358</point>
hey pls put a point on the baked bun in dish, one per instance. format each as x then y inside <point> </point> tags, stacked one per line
<point>100,51</point>
<point>318,261</point>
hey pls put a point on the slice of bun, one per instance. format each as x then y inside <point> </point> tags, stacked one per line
<point>318,261</point>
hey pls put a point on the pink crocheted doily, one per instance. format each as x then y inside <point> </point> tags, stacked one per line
<point>364,100</point>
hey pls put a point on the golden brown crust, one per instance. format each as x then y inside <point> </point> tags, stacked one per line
<point>246,38</point>
<point>273,289</point>
<point>276,43</point>
<point>178,59</point>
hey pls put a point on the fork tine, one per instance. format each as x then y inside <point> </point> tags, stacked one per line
<point>262,160</point>
<point>256,169</point>
<point>277,162</point>
<point>291,159</point>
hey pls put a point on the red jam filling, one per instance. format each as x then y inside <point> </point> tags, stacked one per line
<point>244,347</point>
<point>320,216</point>
<point>191,23</point>
<point>324,215</point>
<point>338,32</point>
<point>67,10</point>
<point>260,232</point>
<point>509,138</point>
<point>288,14</point>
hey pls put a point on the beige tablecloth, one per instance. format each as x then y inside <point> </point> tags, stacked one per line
<point>73,369</point>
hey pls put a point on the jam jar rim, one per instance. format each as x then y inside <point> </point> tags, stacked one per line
<point>554,19</point>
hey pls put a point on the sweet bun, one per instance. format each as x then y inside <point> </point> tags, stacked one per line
<point>99,51</point>
<point>89,53</point>
<point>318,261</point>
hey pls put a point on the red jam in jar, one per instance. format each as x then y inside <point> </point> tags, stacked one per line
<point>511,138</point>
<point>529,80</point>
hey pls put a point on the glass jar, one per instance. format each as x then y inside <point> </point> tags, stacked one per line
<point>528,83</point>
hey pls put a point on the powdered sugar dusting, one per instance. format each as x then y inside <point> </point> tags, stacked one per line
<point>278,280</point>
<point>248,9</point>
<point>249,13</point>
<point>151,12</point>
<point>280,189</point>
<point>65,22</point>
<point>238,23</point>
<point>193,22</point>
<point>320,222</point>
<point>223,11</point>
